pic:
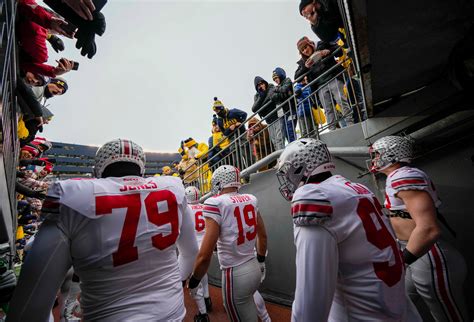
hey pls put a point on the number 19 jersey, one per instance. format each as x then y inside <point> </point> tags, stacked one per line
<point>236,215</point>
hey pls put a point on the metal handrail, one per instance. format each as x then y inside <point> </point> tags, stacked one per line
<point>9,145</point>
<point>287,101</point>
<point>236,142</point>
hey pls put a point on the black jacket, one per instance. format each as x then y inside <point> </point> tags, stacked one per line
<point>281,93</point>
<point>260,99</point>
<point>320,67</point>
<point>329,22</point>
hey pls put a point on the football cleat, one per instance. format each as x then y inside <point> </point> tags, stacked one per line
<point>201,317</point>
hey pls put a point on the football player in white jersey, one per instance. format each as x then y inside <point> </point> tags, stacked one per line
<point>348,265</point>
<point>233,222</point>
<point>201,295</point>
<point>120,233</point>
<point>436,270</point>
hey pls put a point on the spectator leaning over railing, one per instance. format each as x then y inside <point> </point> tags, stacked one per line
<point>269,113</point>
<point>218,144</point>
<point>55,87</point>
<point>324,17</point>
<point>316,61</point>
<point>281,97</point>
<point>259,140</point>
<point>32,33</point>
<point>229,120</point>
<point>231,123</point>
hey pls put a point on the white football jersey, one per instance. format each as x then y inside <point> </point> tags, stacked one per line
<point>346,253</point>
<point>407,178</point>
<point>198,220</point>
<point>236,215</point>
<point>124,234</point>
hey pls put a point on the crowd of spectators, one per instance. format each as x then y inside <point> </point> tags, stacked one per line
<point>324,95</point>
<point>39,29</point>
<point>36,27</point>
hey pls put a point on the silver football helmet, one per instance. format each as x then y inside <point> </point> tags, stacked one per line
<point>300,160</point>
<point>118,151</point>
<point>389,150</point>
<point>226,176</point>
<point>192,194</point>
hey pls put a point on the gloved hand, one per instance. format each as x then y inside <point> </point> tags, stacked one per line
<point>298,92</point>
<point>193,286</point>
<point>56,43</point>
<point>86,42</point>
<point>263,271</point>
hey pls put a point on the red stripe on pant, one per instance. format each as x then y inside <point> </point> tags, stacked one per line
<point>442,287</point>
<point>228,290</point>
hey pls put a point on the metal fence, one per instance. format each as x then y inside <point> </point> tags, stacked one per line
<point>9,145</point>
<point>336,103</point>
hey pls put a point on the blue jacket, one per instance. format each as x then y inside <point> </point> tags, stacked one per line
<point>233,116</point>
<point>304,108</point>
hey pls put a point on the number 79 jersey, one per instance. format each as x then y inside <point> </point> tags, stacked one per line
<point>124,233</point>
<point>236,215</point>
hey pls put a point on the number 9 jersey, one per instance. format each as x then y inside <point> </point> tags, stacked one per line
<point>348,263</point>
<point>123,235</point>
<point>236,215</point>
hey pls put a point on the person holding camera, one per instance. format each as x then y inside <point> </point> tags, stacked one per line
<point>315,63</point>
<point>35,26</point>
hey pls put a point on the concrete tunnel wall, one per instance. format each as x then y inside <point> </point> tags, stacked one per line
<point>452,171</point>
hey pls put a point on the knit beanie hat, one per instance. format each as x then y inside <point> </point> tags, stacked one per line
<point>217,105</point>
<point>304,3</point>
<point>60,82</point>
<point>303,42</point>
<point>189,143</point>
<point>280,73</point>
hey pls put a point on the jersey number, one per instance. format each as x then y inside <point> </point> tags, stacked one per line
<point>379,236</point>
<point>127,251</point>
<point>200,224</point>
<point>250,220</point>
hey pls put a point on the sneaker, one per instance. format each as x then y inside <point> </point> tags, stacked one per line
<point>208,302</point>
<point>201,317</point>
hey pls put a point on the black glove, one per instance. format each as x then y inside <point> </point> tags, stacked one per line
<point>56,43</point>
<point>298,92</point>
<point>86,42</point>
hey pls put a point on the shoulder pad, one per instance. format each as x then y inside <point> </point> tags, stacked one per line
<point>310,207</point>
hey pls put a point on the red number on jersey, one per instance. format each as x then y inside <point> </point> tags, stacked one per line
<point>380,237</point>
<point>127,251</point>
<point>170,216</point>
<point>200,224</point>
<point>250,220</point>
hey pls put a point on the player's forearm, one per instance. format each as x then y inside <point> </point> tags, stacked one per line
<point>422,239</point>
<point>202,265</point>
<point>261,237</point>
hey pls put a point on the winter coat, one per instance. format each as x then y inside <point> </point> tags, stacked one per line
<point>32,32</point>
<point>329,22</point>
<point>284,91</point>
<point>320,67</point>
<point>232,117</point>
<point>304,106</point>
<point>269,113</point>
